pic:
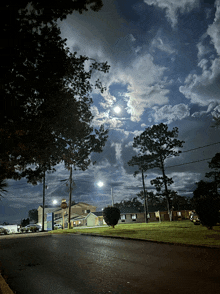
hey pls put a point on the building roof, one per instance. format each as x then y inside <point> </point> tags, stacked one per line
<point>125,210</point>
<point>98,213</point>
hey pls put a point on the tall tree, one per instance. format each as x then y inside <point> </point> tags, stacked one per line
<point>33,215</point>
<point>134,203</point>
<point>143,162</point>
<point>46,94</point>
<point>157,143</point>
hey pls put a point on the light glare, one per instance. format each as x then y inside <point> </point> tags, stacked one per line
<point>117,109</point>
<point>100,184</point>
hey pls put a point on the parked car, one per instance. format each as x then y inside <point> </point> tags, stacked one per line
<point>35,227</point>
<point>57,226</point>
<point>4,231</point>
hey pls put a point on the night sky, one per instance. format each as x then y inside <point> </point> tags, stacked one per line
<point>165,67</point>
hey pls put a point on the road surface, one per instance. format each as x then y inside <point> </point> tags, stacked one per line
<point>85,264</point>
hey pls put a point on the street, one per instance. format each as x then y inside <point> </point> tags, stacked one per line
<point>85,264</point>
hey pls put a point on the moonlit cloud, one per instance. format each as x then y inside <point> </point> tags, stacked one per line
<point>169,113</point>
<point>173,7</point>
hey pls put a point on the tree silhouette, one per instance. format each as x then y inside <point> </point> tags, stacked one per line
<point>45,107</point>
<point>154,146</point>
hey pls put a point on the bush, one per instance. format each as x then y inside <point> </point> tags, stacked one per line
<point>207,209</point>
<point>111,215</point>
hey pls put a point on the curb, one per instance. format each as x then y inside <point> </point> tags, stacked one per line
<point>4,288</point>
<point>24,235</point>
<point>152,241</point>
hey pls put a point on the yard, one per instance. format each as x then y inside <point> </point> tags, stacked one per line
<point>182,232</point>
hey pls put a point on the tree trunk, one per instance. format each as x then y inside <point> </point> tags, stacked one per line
<point>43,201</point>
<point>145,199</point>
<point>166,189</point>
<point>70,196</point>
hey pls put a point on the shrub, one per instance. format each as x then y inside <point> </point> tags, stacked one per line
<point>111,215</point>
<point>207,209</point>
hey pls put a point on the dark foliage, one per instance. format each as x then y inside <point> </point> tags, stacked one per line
<point>45,92</point>
<point>33,215</point>
<point>154,145</point>
<point>134,203</point>
<point>206,203</point>
<point>111,215</point>
<point>25,222</point>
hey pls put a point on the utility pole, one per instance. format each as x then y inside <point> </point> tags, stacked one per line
<point>43,202</point>
<point>70,196</point>
<point>145,199</point>
<point>112,197</point>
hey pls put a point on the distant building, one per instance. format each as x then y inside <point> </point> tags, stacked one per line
<point>79,209</point>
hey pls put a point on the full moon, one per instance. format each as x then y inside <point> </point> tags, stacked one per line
<point>100,184</point>
<point>117,109</point>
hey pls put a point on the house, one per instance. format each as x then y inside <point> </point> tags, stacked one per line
<point>77,209</point>
<point>130,215</point>
<point>95,219</point>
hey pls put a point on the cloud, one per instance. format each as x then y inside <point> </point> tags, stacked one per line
<point>209,109</point>
<point>214,29</point>
<point>171,113</point>
<point>173,7</point>
<point>163,45</point>
<point>203,89</point>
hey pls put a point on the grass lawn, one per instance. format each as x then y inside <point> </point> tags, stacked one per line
<point>184,232</point>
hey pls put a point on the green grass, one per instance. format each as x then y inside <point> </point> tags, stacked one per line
<point>183,232</point>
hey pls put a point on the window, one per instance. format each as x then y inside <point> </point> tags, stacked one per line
<point>134,216</point>
<point>178,213</point>
<point>87,211</point>
<point>123,216</point>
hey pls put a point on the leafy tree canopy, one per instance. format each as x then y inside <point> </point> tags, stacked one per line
<point>45,106</point>
<point>33,215</point>
<point>207,203</point>
<point>134,203</point>
<point>154,146</point>
<point>111,215</point>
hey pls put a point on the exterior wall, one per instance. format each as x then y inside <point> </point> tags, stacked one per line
<point>99,221</point>
<point>91,219</point>
<point>76,223</point>
<point>128,218</point>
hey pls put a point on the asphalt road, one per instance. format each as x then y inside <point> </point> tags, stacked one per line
<point>84,264</point>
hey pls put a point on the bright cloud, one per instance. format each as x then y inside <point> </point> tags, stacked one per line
<point>172,7</point>
<point>169,113</point>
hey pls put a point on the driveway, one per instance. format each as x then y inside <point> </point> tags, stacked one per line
<point>85,264</point>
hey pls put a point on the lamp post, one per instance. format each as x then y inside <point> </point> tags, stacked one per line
<point>101,184</point>
<point>63,206</point>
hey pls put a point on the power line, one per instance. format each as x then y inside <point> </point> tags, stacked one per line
<point>201,147</point>
<point>188,162</point>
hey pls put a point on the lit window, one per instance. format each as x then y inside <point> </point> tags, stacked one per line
<point>178,213</point>
<point>123,216</point>
<point>134,216</point>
